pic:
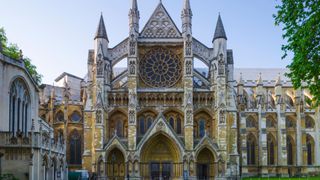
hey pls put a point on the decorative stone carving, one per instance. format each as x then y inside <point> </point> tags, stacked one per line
<point>132,117</point>
<point>132,46</point>
<point>160,25</point>
<point>201,51</point>
<point>189,115</point>
<point>160,126</point>
<point>188,99</point>
<point>108,72</point>
<point>99,116</point>
<point>221,65</point>
<point>132,67</point>
<point>99,65</point>
<point>119,51</point>
<point>132,99</point>
<point>222,119</point>
<point>188,67</point>
<point>188,45</point>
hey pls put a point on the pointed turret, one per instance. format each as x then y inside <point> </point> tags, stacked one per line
<point>240,85</point>
<point>134,5</point>
<point>186,16</point>
<point>101,38</point>
<point>220,39</point>
<point>134,17</point>
<point>101,30</point>
<point>259,81</point>
<point>219,32</point>
<point>278,81</point>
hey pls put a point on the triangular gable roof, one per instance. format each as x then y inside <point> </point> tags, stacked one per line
<point>160,125</point>
<point>160,25</point>
<point>206,141</point>
<point>115,142</point>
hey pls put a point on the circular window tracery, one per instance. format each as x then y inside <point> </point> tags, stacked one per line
<point>160,67</point>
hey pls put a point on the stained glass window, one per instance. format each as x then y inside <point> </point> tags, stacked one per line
<point>160,67</point>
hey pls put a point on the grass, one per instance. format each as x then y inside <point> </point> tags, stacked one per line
<point>289,178</point>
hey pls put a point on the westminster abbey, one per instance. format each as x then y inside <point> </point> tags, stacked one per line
<point>162,118</point>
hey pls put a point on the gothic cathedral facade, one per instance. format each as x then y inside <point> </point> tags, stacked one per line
<point>161,117</point>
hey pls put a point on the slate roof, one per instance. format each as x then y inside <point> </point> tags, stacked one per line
<point>219,32</point>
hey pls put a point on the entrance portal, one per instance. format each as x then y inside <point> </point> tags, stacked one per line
<point>115,165</point>
<point>160,159</point>
<point>205,165</point>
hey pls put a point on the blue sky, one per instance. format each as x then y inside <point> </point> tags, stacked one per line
<point>57,34</point>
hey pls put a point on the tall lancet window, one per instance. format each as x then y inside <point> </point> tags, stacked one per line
<point>19,108</point>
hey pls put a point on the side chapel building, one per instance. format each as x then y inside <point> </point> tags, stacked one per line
<point>161,117</point>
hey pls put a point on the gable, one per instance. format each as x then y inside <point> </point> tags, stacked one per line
<point>160,25</point>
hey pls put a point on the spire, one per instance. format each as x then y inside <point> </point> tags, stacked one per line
<point>134,17</point>
<point>186,12</point>
<point>259,82</point>
<point>101,31</point>
<point>241,82</point>
<point>220,32</point>
<point>187,4</point>
<point>134,5</point>
<point>186,16</point>
<point>278,81</point>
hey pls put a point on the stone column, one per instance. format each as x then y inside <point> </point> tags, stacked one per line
<point>263,151</point>
<point>132,87</point>
<point>282,140</point>
<point>299,128</point>
<point>317,138</point>
<point>243,142</point>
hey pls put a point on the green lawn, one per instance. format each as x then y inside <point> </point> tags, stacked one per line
<point>289,178</point>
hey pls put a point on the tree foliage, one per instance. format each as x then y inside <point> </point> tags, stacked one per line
<point>301,29</point>
<point>13,51</point>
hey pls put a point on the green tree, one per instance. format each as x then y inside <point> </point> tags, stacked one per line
<point>13,51</point>
<point>301,29</point>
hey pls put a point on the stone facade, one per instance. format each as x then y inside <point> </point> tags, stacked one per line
<point>61,106</point>
<point>160,116</point>
<point>152,115</point>
<point>27,148</point>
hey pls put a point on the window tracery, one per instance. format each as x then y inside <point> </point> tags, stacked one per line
<point>175,120</point>
<point>160,67</point>
<point>75,116</point>
<point>19,107</point>
<point>145,121</point>
<point>75,147</point>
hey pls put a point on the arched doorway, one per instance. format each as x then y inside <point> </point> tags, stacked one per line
<point>115,165</point>
<point>160,159</point>
<point>205,165</point>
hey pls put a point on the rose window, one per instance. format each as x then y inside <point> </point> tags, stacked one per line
<point>160,68</point>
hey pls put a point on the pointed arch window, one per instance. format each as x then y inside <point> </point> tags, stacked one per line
<point>309,123</point>
<point>251,122</point>
<point>60,116</point>
<point>271,123</point>
<point>179,128</point>
<point>19,107</point>
<point>150,120</point>
<point>119,128</point>
<point>171,122</point>
<point>289,151</point>
<point>75,147</point>
<point>271,150</point>
<point>310,150</point>
<point>141,125</point>
<point>202,128</point>
<point>251,150</point>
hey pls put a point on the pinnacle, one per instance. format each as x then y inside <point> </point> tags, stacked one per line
<point>259,82</point>
<point>219,32</point>
<point>101,31</point>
